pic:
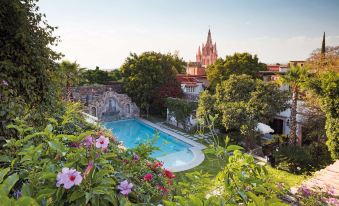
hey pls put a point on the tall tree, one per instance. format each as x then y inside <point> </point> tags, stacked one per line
<point>70,75</point>
<point>26,61</point>
<point>241,102</point>
<point>295,78</point>
<point>238,63</point>
<point>323,46</point>
<point>144,75</point>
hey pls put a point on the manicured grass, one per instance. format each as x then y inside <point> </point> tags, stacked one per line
<point>285,177</point>
<point>212,166</point>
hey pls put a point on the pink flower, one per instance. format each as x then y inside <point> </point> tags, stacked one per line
<point>125,187</point>
<point>88,141</point>
<point>332,201</point>
<point>169,174</point>
<point>306,192</point>
<point>102,142</point>
<point>148,177</point>
<point>89,168</point>
<point>157,165</point>
<point>69,178</point>
<point>163,189</point>
<point>4,82</point>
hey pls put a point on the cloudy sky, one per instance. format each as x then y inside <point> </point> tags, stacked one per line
<point>103,32</point>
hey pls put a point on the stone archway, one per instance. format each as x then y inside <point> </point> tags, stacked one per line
<point>106,104</point>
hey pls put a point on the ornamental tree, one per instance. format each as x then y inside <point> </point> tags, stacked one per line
<point>242,102</point>
<point>144,75</point>
<point>295,78</point>
<point>238,63</point>
<point>70,75</point>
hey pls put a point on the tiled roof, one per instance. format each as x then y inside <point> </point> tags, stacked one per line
<point>186,79</point>
<point>326,179</point>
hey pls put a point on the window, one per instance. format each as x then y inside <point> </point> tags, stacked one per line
<point>190,89</point>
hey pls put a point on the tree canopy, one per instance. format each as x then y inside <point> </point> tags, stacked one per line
<point>99,76</point>
<point>27,62</point>
<point>241,102</point>
<point>144,75</point>
<point>238,63</point>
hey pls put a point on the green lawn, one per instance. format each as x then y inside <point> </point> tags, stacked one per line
<point>286,177</point>
<point>212,165</point>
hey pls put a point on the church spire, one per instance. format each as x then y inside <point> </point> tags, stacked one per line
<point>209,37</point>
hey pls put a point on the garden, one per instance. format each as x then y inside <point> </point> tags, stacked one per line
<point>50,155</point>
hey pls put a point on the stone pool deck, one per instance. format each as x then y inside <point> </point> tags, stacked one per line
<point>205,137</point>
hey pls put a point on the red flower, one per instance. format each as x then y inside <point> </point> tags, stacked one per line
<point>169,174</point>
<point>162,188</point>
<point>148,177</point>
<point>157,165</point>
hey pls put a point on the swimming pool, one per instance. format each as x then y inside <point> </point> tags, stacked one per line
<point>177,153</point>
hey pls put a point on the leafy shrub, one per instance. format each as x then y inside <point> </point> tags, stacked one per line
<point>297,159</point>
<point>241,181</point>
<point>316,196</point>
<point>64,164</point>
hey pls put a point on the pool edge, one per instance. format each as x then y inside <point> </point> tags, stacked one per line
<point>196,149</point>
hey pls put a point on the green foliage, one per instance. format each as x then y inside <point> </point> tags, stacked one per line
<point>98,76</point>
<point>27,62</point>
<point>242,102</point>
<point>181,109</point>
<point>144,75</point>
<point>241,181</point>
<point>115,75</point>
<point>305,159</point>
<point>316,196</point>
<point>295,78</point>
<point>239,63</point>
<point>30,164</point>
<point>326,87</point>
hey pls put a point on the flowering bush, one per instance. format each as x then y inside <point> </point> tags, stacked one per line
<point>316,196</point>
<point>78,167</point>
<point>240,182</point>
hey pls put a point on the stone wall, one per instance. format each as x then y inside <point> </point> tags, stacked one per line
<point>105,102</point>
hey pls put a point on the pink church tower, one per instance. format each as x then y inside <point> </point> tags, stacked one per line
<point>205,56</point>
<point>208,54</point>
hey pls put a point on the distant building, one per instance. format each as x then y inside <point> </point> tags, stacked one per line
<point>205,56</point>
<point>191,85</point>
<point>281,122</point>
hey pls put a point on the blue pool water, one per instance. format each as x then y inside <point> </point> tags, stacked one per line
<point>133,132</point>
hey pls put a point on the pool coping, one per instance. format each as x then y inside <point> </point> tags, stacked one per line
<point>196,149</point>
